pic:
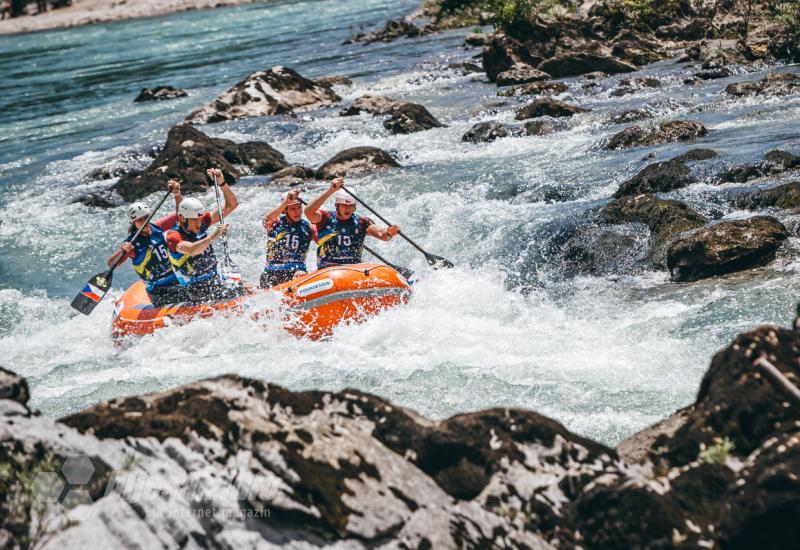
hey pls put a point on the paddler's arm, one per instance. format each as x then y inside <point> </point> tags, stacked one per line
<point>175,187</point>
<point>384,234</point>
<point>230,199</point>
<point>273,215</point>
<point>312,210</point>
<point>124,251</point>
<point>198,247</point>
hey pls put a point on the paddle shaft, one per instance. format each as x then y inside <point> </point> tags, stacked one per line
<point>221,218</point>
<point>384,220</point>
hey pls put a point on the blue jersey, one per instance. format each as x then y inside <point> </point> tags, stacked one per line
<point>287,245</point>
<point>340,242</point>
<point>151,258</point>
<point>192,269</point>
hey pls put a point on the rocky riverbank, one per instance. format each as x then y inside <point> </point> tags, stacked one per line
<point>232,461</point>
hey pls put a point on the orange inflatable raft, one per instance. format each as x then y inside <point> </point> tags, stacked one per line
<point>312,305</point>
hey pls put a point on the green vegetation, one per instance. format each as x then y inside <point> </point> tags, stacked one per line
<point>789,14</point>
<point>513,14</point>
<point>719,452</point>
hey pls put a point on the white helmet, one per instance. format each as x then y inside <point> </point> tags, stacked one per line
<point>138,210</point>
<point>342,197</point>
<point>191,208</point>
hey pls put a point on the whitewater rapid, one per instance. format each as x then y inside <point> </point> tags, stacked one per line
<point>507,327</point>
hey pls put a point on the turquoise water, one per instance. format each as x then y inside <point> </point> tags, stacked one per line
<point>510,326</point>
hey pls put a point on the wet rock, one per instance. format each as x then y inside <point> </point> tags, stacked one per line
<point>331,81</point>
<point>502,53</point>
<point>542,88</point>
<point>13,387</point>
<point>659,177</point>
<point>520,74</point>
<point>602,250</point>
<point>632,115</point>
<point>637,136</point>
<point>394,29</point>
<point>466,68</point>
<point>275,91</point>
<point>107,172</point>
<point>99,199</point>
<point>774,84</point>
<point>665,219</point>
<point>356,160</point>
<point>293,174</point>
<point>574,64</point>
<point>485,131</point>
<point>539,127</point>
<point>407,118</point>
<point>186,156</point>
<point>374,104</point>
<point>775,162</point>
<point>696,154</point>
<point>725,247</point>
<point>548,107</point>
<point>159,93</point>
<point>786,196</point>
<point>710,74</point>
<point>595,75</point>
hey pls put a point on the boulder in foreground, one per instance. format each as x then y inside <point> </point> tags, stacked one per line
<point>357,160</point>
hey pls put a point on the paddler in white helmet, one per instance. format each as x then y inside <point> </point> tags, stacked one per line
<point>288,239</point>
<point>341,232</point>
<point>148,253</point>
<point>189,244</point>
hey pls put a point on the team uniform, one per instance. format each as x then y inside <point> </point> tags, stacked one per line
<point>340,242</point>
<point>287,247</point>
<point>151,261</point>
<point>197,274</point>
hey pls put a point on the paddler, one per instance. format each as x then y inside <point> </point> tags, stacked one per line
<point>288,239</point>
<point>148,253</point>
<point>341,232</point>
<point>189,243</point>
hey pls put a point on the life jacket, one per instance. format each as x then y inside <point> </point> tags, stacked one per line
<point>287,245</point>
<point>193,269</point>
<point>151,259</point>
<point>340,242</point>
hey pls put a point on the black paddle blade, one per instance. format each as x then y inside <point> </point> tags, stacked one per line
<point>437,261</point>
<point>92,292</point>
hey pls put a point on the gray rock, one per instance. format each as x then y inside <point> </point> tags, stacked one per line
<point>658,177</point>
<point>159,93</point>
<point>637,136</point>
<point>485,131</point>
<point>548,107</point>
<point>574,64</point>
<point>725,247</point>
<point>408,118</point>
<point>520,74</point>
<point>275,91</point>
<point>356,160</point>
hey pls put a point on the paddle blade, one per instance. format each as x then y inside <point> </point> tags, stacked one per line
<point>229,273</point>
<point>437,261</point>
<point>92,292</point>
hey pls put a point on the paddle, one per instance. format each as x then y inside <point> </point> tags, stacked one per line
<point>433,260</point>
<point>229,272</point>
<point>97,287</point>
<point>405,272</point>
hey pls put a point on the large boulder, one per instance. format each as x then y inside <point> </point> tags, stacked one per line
<point>485,131</point>
<point>159,93</point>
<point>665,218</point>
<point>548,107</point>
<point>725,247</point>
<point>658,177</point>
<point>186,156</point>
<point>408,118</point>
<point>596,249</point>
<point>272,92</point>
<point>785,196</point>
<point>675,130</point>
<point>355,161</point>
<point>773,84</point>
<point>501,53</point>
<point>578,63</point>
<point>520,74</point>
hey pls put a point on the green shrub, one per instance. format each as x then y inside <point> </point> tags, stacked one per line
<point>719,452</point>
